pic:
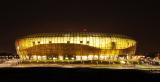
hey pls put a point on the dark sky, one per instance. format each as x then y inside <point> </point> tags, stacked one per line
<point>138,19</point>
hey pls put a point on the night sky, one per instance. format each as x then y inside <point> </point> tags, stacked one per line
<point>137,19</point>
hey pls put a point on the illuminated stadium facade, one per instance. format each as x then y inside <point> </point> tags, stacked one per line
<point>74,46</point>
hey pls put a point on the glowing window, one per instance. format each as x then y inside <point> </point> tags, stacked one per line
<point>90,57</point>
<point>78,57</point>
<point>60,57</point>
<point>84,57</point>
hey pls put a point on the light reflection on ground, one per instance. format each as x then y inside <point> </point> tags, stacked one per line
<point>14,64</point>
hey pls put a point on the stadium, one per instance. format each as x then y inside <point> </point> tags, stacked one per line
<point>74,46</point>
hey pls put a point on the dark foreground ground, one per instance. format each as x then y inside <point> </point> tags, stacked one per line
<point>74,74</point>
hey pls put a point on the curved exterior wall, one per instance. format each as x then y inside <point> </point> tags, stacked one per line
<point>74,46</point>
